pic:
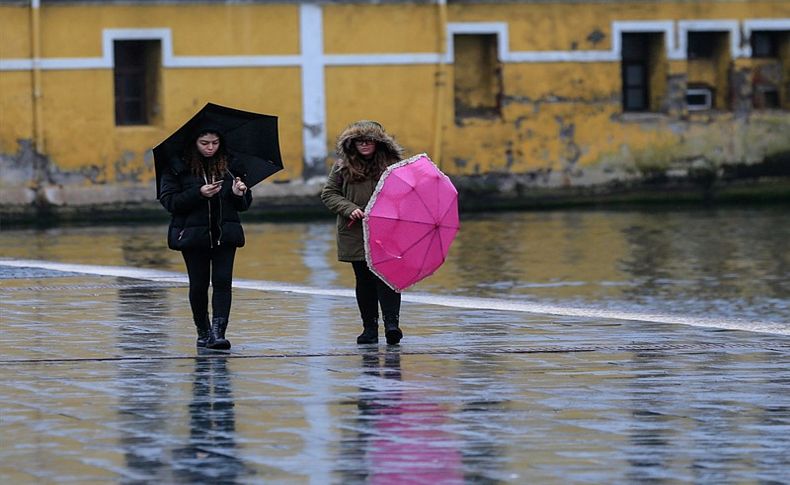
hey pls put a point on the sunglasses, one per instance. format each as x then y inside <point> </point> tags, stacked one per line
<point>364,141</point>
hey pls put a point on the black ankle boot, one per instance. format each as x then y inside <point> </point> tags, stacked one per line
<point>218,327</point>
<point>392,332</point>
<point>204,335</point>
<point>370,333</point>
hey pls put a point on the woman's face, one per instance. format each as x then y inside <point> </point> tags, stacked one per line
<point>365,146</point>
<point>208,144</point>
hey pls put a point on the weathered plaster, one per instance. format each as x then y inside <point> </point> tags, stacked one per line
<point>558,123</point>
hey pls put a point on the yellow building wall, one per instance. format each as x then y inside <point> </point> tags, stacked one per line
<point>78,115</point>
<point>15,32</point>
<point>564,114</point>
<point>81,134</point>
<point>555,116</point>
<point>551,26</point>
<point>198,29</point>
<point>16,109</point>
<point>16,87</point>
<point>400,97</point>
<point>380,29</point>
<point>401,101</point>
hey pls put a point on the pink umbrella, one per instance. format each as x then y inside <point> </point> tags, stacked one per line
<point>410,222</point>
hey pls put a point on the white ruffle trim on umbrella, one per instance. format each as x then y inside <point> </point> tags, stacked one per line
<point>372,201</point>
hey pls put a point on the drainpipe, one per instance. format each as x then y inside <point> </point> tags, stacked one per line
<point>35,43</point>
<point>441,81</point>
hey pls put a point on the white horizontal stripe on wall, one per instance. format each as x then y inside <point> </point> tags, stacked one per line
<point>380,59</point>
<point>675,37</point>
<point>729,26</point>
<point>233,61</point>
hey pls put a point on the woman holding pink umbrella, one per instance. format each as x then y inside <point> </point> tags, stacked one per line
<point>365,151</point>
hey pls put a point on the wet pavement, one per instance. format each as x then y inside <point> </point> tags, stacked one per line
<point>101,383</point>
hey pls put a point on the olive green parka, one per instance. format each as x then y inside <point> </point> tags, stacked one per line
<point>342,197</point>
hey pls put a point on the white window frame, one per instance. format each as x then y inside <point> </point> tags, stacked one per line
<point>707,92</point>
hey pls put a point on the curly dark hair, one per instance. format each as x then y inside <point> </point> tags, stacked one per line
<point>213,167</point>
<point>359,168</point>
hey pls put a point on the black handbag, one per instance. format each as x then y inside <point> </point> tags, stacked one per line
<point>174,237</point>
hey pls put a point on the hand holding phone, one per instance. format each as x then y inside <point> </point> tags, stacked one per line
<point>210,189</point>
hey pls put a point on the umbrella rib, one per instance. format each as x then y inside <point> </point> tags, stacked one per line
<point>425,256</point>
<point>419,196</point>
<point>413,222</point>
<point>449,206</point>
<point>242,125</point>
<point>406,249</point>
<point>401,219</point>
<point>428,209</point>
<point>246,122</point>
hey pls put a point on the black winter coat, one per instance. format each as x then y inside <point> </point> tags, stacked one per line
<point>191,224</point>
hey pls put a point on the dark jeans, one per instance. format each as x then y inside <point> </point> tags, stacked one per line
<point>372,292</point>
<point>215,265</point>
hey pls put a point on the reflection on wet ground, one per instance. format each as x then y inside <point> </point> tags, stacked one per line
<point>100,380</point>
<point>102,383</point>
<point>211,454</point>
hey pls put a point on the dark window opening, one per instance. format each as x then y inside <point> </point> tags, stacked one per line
<point>136,76</point>
<point>765,43</point>
<point>704,45</point>
<point>640,58</point>
<point>766,97</point>
<point>770,69</point>
<point>635,87</point>
<point>477,84</point>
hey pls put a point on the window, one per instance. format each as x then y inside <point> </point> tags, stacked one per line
<point>770,69</point>
<point>766,97</point>
<point>765,44</point>
<point>699,98</point>
<point>704,45</point>
<point>635,87</point>
<point>477,80</point>
<point>641,70</point>
<point>709,70</point>
<point>136,76</point>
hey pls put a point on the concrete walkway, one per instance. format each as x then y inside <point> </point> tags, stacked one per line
<point>101,383</point>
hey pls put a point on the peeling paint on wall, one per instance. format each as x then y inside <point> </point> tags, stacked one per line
<point>548,110</point>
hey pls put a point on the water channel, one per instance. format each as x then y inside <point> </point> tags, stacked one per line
<point>730,265</point>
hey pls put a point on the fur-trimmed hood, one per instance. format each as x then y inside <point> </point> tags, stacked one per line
<point>367,129</point>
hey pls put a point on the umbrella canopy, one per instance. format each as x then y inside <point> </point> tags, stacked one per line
<point>410,222</point>
<point>251,138</point>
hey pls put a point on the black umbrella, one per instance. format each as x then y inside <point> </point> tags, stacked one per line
<point>251,139</point>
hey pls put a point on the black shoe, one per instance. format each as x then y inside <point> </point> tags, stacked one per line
<point>218,341</point>
<point>368,336</point>
<point>392,332</point>
<point>370,333</point>
<point>204,336</point>
<point>202,340</point>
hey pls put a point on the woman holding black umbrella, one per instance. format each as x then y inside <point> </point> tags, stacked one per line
<point>204,197</point>
<point>365,151</point>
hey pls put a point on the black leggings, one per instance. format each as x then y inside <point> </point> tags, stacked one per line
<point>371,292</point>
<point>216,265</point>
